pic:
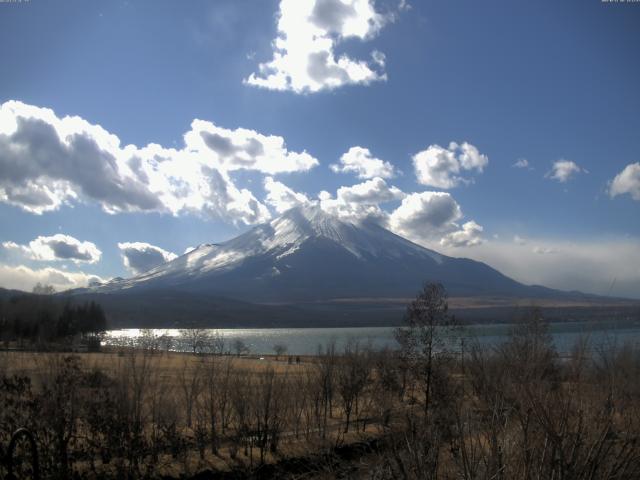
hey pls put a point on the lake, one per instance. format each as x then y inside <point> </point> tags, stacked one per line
<point>305,341</point>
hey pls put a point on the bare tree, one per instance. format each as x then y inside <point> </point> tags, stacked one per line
<point>134,376</point>
<point>216,392</point>
<point>327,360</point>
<point>224,384</point>
<point>61,406</point>
<point>423,342</point>
<point>388,383</point>
<point>216,343</point>
<point>166,342</point>
<point>240,347</point>
<point>196,339</point>
<point>352,376</point>
<point>241,403</point>
<point>148,340</point>
<point>279,349</point>
<point>190,385</point>
<point>529,349</point>
<point>268,411</point>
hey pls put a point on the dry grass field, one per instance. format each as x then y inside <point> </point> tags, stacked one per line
<point>182,413</point>
<point>514,411</point>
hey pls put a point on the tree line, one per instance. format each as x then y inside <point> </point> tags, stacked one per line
<point>41,319</point>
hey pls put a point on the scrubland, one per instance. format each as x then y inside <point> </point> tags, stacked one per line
<point>422,411</point>
<point>516,411</point>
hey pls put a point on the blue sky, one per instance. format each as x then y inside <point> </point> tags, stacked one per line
<point>545,82</point>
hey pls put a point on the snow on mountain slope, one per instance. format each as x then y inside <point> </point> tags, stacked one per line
<point>308,254</point>
<point>281,237</point>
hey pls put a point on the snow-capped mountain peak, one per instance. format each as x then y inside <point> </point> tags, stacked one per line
<point>309,253</point>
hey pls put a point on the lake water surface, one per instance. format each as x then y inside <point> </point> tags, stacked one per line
<point>305,341</point>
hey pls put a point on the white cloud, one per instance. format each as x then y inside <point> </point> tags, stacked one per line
<point>304,57</point>
<point>138,257</point>
<point>358,160</point>
<point>25,278</point>
<point>441,167</point>
<point>13,246</point>
<point>243,149</point>
<point>522,163</point>
<point>372,191</point>
<point>519,240</point>
<point>48,161</point>
<point>57,247</point>
<point>426,216</point>
<point>431,219</point>
<point>601,266</point>
<point>353,212</point>
<point>563,170</point>
<point>469,235</point>
<point>544,250</point>
<point>281,197</point>
<point>627,181</point>
<point>361,201</point>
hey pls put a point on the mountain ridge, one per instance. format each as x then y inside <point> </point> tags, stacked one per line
<point>307,254</point>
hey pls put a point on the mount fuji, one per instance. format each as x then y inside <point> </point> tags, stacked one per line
<point>305,264</point>
<point>307,255</point>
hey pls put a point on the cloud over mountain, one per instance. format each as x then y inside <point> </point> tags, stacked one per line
<point>281,197</point>
<point>361,201</point>
<point>426,216</point>
<point>468,236</point>
<point>48,161</point>
<point>139,257</point>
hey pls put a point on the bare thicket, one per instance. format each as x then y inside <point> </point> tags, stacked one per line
<point>239,347</point>
<point>279,349</point>
<point>515,410</point>
<point>202,340</point>
<point>353,375</point>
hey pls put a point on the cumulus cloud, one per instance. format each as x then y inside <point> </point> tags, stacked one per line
<point>469,235</point>
<point>426,216</point>
<point>243,149</point>
<point>57,247</point>
<point>372,191</point>
<point>358,160</point>
<point>281,197</point>
<point>48,161</point>
<point>442,167</point>
<point>431,219</point>
<point>304,57</point>
<point>627,181</point>
<point>138,257</point>
<point>361,201</point>
<point>25,278</point>
<point>563,170</point>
